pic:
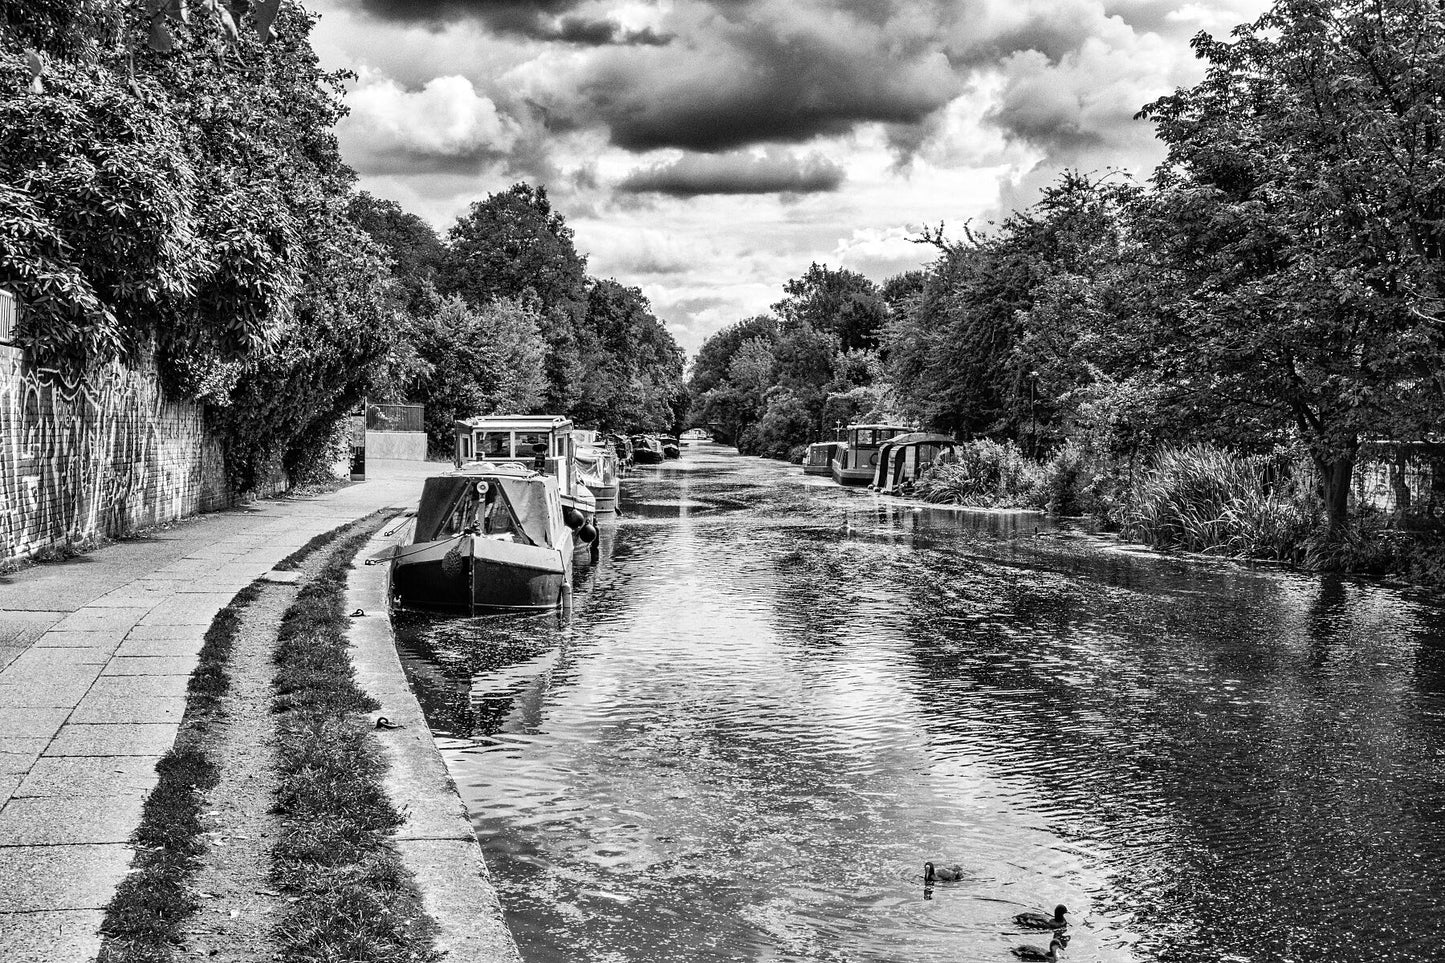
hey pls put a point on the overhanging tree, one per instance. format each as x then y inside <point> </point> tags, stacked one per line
<point>1301,214</point>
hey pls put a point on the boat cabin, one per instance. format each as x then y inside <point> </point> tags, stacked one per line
<point>903,460</point>
<point>819,457</point>
<point>855,462</point>
<point>542,442</point>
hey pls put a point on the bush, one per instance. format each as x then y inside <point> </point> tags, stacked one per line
<point>988,474</point>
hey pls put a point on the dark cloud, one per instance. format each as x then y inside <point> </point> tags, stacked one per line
<point>545,20</point>
<point>586,32</point>
<point>696,174</point>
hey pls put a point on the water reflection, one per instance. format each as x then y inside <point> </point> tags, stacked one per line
<point>776,699</point>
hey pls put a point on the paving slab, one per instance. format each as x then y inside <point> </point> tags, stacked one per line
<point>113,739</point>
<point>88,775</point>
<point>18,753</point>
<point>102,619</point>
<point>58,936</point>
<point>34,722</point>
<point>38,878</point>
<point>52,693</point>
<point>68,677</point>
<point>191,609</point>
<point>149,665</point>
<point>144,632</point>
<point>71,639</point>
<point>161,648</point>
<point>68,820</point>
<point>65,657</point>
<point>98,709</point>
<point>125,686</point>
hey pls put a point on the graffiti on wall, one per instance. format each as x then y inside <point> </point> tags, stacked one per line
<point>96,457</point>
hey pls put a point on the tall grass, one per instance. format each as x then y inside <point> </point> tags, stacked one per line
<point>1204,499</point>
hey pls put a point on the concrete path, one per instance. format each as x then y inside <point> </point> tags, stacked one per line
<point>95,654</point>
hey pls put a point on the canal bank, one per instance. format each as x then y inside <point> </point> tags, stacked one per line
<point>95,660</point>
<point>436,841</point>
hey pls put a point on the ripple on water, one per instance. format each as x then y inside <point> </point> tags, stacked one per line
<point>775,700</point>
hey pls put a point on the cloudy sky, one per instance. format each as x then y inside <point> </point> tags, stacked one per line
<point>708,150</point>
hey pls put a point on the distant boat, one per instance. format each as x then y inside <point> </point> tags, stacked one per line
<point>856,459</point>
<point>670,446</point>
<point>597,468</point>
<point>646,449</point>
<point>902,460</point>
<point>696,434</point>
<point>819,457</point>
<point>489,537</point>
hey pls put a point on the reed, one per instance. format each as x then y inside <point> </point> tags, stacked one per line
<point>1203,499</point>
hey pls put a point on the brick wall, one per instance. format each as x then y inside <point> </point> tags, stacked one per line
<point>97,457</point>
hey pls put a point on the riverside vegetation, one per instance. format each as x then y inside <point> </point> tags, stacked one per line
<point>1203,361</point>
<point>172,197</point>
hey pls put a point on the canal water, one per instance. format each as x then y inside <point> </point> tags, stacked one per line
<point>776,699</point>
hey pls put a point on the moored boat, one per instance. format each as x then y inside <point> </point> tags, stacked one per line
<point>489,537</point>
<point>670,446</point>
<point>855,460</point>
<point>597,469</point>
<point>903,460</point>
<point>819,458</point>
<point>646,449</point>
<point>696,434</point>
<point>541,442</point>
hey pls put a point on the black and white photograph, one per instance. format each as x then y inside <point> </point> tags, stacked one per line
<point>722,481</point>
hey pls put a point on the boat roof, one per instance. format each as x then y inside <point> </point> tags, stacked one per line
<point>517,423</point>
<point>903,427</point>
<point>824,444</point>
<point>921,438</point>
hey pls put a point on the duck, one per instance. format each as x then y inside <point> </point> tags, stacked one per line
<point>1038,921</point>
<point>1049,955</point>
<point>942,874</point>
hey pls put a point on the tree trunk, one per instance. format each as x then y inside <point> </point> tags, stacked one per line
<point>1336,472</point>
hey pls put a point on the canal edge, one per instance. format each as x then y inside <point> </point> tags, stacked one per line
<point>436,843</point>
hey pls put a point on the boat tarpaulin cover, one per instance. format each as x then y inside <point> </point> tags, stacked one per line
<point>527,497</point>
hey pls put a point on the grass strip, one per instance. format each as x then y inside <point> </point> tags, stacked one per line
<point>355,900</point>
<point>142,919</point>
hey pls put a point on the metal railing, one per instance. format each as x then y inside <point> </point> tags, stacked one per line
<point>392,417</point>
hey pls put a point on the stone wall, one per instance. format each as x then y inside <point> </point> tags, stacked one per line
<point>97,457</point>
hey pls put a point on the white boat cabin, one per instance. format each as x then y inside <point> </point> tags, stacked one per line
<point>541,442</point>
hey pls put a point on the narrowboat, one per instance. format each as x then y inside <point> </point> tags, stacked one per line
<point>489,537</point>
<point>857,457</point>
<point>597,469</point>
<point>819,458</point>
<point>646,450</point>
<point>542,442</point>
<point>904,459</point>
<point>696,434</point>
<point>670,446</point>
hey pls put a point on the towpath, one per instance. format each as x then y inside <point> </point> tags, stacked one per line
<point>95,654</point>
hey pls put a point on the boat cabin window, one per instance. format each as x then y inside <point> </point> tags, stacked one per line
<point>465,441</point>
<point>494,444</point>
